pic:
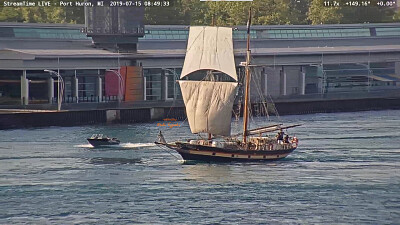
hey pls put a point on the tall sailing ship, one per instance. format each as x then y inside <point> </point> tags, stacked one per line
<point>209,96</point>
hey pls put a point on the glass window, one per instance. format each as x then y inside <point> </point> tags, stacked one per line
<point>172,87</point>
<point>153,84</point>
<point>6,32</point>
<point>388,31</point>
<point>55,33</point>
<point>86,87</point>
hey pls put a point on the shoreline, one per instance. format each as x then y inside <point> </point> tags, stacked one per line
<point>25,118</point>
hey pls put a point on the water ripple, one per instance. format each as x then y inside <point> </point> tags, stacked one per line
<point>346,171</point>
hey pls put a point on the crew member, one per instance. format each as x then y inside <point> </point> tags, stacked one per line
<point>286,140</point>
<point>280,135</point>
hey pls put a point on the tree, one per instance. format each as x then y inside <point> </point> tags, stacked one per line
<point>235,13</point>
<point>75,15</point>
<point>11,14</point>
<point>39,14</point>
<point>396,16</point>
<point>298,11</point>
<point>168,15</point>
<point>273,12</point>
<point>320,14</point>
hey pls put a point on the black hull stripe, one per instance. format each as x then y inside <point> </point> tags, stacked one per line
<point>206,158</point>
<point>230,151</point>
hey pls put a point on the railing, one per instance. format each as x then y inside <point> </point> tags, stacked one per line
<point>69,99</point>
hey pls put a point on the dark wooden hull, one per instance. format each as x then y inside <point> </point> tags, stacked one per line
<point>215,154</point>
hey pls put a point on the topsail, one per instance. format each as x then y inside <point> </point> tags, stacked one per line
<point>210,48</point>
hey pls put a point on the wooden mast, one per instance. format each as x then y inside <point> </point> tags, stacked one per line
<point>246,98</point>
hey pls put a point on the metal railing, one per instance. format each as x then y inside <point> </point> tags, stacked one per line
<point>70,99</point>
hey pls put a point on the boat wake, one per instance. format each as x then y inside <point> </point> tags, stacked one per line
<point>127,145</point>
<point>84,146</point>
<point>136,145</point>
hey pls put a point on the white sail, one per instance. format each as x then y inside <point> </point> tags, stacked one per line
<point>210,48</point>
<point>209,105</point>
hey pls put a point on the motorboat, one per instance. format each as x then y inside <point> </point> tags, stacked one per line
<point>98,140</point>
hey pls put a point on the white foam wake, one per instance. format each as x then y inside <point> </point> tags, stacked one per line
<point>122,145</point>
<point>137,145</point>
<point>84,146</point>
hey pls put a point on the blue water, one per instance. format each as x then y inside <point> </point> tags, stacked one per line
<point>345,171</point>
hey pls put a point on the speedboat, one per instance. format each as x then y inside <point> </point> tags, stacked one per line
<point>98,140</point>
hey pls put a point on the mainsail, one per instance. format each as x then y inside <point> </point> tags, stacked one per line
<point>209,103</point>
<point>210,48</point>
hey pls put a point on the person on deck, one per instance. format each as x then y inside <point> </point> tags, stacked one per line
<point>279,137</point>
<point>286,139</point>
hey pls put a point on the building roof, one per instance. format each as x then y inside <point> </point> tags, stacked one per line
<point>281,51</point>
<point>33,41</point>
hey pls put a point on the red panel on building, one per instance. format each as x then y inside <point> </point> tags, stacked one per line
<point>133,80</point>
<point>111,83</point>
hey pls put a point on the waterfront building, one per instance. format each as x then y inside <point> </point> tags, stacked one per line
<point>294,62</point>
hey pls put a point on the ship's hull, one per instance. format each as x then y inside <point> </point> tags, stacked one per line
<point>103,142</point>
<point>215,154</point>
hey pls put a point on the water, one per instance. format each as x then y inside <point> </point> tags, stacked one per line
<point>346,171</point>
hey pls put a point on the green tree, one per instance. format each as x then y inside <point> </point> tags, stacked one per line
<point>298,11</point>
<point>396,16</point>
<point>75,15</point>
<point>370,14</point>
<point>236,13</point>
<point>171,15</point>
<point>272,12</point>
<point>9,14</point>
<point>195,11</point>
<point>42,14</point>
<point>320,14</point>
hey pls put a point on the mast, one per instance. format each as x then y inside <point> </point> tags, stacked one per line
<point>246,98</point>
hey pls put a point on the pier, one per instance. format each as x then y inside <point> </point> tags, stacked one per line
<point>139,112</point>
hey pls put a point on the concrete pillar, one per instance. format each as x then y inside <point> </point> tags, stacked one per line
<point>283,82</point>
<point>320,74</point>
<point>24,89</point>
<point>144,88</point>
<point>113,115</point>
<point>156,113</point>
<point>262,79</point>
<point>397,68</point>
<point>265,83</point>
<point>302,83</point>
<point>74,82</point>
<point>50,89</point>
<point>99,88</point>
<point>163,86</point>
